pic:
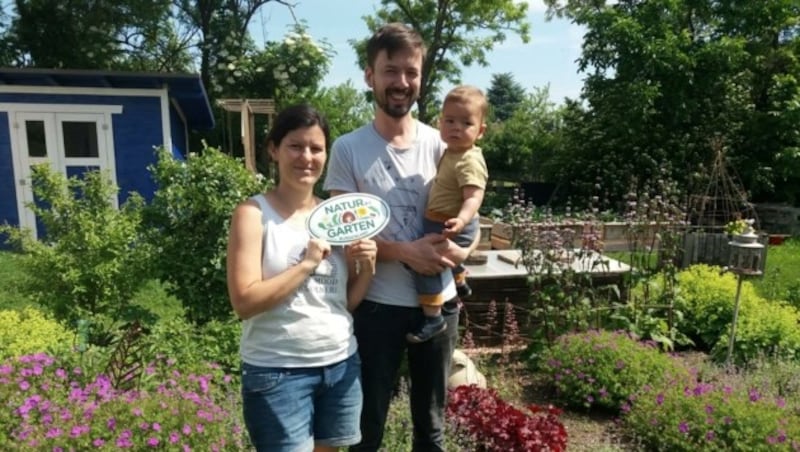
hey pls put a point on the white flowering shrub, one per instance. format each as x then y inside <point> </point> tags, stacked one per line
<point>287,70</point>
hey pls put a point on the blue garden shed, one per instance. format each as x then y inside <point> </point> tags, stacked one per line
<point>78,120</point>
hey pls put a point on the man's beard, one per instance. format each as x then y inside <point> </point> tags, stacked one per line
<point>393,109</point>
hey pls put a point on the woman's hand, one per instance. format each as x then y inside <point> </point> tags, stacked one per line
<point>316,251</point>
<point>363,252</point>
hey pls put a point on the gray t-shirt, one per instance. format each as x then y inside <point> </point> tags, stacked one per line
<point>363,161</point>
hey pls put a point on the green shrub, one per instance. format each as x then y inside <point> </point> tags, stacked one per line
<point>605,369</point>
<point>31,331</point>
<point>771,329</point>
<point>706,299</point>
<point>764,327</point>
<point>92,259</point>
<point>712,416</point>
<point>194,346</point>
<point>189,219</point>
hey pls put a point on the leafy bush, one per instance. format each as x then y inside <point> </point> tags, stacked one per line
<point>706,301</point>
<point>29,331</point>
<point>92,258</point>
<point>764,326</point>
<point>605,369</point>
<point>712,416</point>
<point>49,407</point>
<point>194,346</point>
<point>189,219</point>
<point>770,329</point>
<point>497,426</point>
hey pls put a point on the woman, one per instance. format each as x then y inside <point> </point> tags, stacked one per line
<point>300,371</point>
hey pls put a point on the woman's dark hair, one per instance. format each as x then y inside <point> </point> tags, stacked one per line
<point>297,117</point>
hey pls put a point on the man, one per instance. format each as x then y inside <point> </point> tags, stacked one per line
<point>395,157</point>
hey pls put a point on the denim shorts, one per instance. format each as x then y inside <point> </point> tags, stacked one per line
<point>291,409</point>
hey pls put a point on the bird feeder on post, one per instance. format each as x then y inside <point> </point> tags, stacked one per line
<point>745,258</point>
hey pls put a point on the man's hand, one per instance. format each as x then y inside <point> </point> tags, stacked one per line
<point>426,255</point>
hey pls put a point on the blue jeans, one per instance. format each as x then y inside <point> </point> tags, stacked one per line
<point>381,332</point>
<point>291,409</point>
<point>428,286</point>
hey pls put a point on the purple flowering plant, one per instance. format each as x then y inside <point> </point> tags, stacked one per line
<point>723,414</point>
<point>49,407</point>
<point>605,369</point>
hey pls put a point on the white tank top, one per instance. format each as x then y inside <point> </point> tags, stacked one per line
<point>312,327</point>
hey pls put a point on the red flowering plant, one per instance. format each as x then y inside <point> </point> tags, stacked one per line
<point>496,425</point>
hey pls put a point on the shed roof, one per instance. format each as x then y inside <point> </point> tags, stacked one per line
<point>185,89</point>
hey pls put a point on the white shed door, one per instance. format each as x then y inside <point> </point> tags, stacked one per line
<point>71,143</point>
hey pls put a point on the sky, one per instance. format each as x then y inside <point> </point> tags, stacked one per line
<point>549,58</point>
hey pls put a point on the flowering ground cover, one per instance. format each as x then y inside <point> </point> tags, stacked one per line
<point>48,406</point>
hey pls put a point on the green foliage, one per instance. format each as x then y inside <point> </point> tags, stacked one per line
<point>154,301</point>
<point>457,33</point>
<point>720,414</point>
<point>11,276</point>
<point>31,331</point>
<point>129,35</point>
<point>526,142</point>
<point>707,301</point>
<point>603,369</point>
<point>505,95</point>
<point>664,77</point>
<point>345,107</point>
<point>215,342</point>
<point>781,279</point>
<point>48,406</point>
<point>287,71</point>
<point>770,329</point>
<point>93,257</point>
<point>189,219</point>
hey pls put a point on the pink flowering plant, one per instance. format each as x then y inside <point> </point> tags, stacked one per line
<point>605,369</point>
<point>49,407</point>
<point>713,416</point>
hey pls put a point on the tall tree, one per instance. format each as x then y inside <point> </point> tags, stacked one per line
<point>457,32</point>
<point>90,34</point>
<point>664,77</point>
<point>504,95</point>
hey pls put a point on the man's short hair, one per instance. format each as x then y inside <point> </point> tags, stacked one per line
<point>393,37</point>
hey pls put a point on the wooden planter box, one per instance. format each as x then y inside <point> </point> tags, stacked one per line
<point>613,234</point>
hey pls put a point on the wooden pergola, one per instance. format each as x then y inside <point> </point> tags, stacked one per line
<point>248,109</point>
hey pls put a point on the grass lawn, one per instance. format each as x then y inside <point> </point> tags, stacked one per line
<point>782,276</point>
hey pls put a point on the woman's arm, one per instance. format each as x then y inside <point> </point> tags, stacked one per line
<point>250,294</point>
